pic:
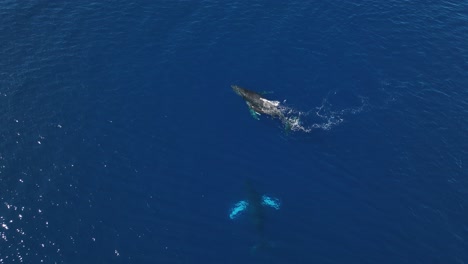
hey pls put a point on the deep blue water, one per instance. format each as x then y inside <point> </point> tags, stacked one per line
<point>121,140</point>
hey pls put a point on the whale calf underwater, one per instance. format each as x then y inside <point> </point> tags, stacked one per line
<point>255,205</point>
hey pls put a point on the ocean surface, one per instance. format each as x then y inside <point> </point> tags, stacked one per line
<point>121,140</point>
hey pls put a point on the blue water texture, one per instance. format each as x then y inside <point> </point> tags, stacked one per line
<point>121,140</point>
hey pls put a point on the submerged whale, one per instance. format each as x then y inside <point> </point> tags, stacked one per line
<point>254,205</point>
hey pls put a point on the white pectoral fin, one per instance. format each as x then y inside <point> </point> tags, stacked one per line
<point>254,113</point>
<point>271,202</point>
<point>237,209</point>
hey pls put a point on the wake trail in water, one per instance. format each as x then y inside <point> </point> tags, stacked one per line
<point>325,117</point>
